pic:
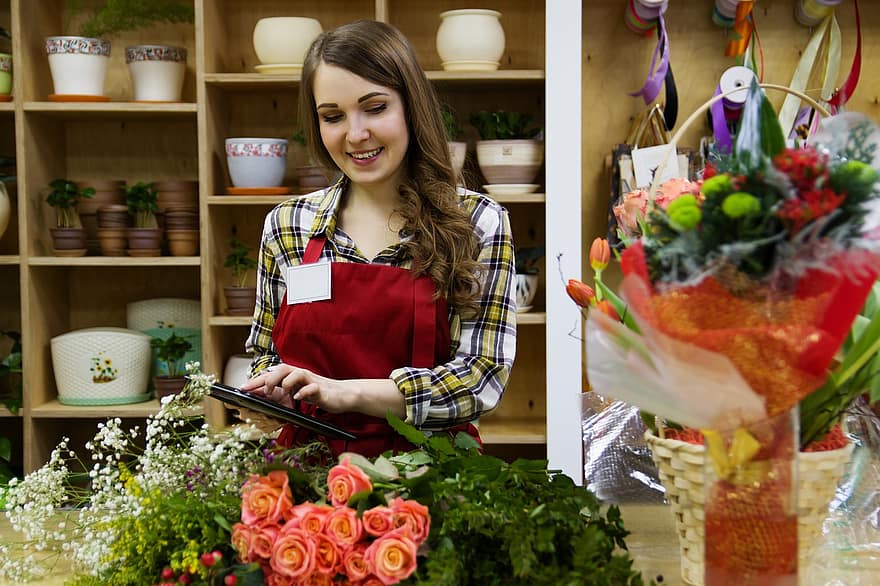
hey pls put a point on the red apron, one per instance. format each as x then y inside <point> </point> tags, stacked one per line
<point>379,319</point>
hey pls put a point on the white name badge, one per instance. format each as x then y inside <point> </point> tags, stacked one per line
<point>308,282</point>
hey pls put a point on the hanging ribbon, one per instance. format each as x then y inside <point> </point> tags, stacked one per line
<point>812,12</point>
<point>841,96</point>
<point>656,71</point>
<point>742,28</point>
<point>728,109</point>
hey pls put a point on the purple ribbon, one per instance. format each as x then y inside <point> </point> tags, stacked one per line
<point>719,125</point>
<point>655,78</point>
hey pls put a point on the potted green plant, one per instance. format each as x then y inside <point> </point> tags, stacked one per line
<point>5,67</point>
<point>69,236</point>
<point>79,63</point>
<point>145,237</point>
<point>309,176</point>
<point>457,148</point>
<point>508,152</point>
<point>170,352</point>
<point>527,271</point>
<point>240,298</point>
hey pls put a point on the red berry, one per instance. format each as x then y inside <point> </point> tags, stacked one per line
<point>183,579</point>
<point>230,579</point>
<point>218,555</point>
<point>208,559</point>
<point>167,573</point>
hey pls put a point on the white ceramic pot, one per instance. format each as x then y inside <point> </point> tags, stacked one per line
<point>526,287</point>
<point>470,40</point>
<point>510,161</point>
<point>457,151</point>
<point>156,72</point>
<point>256,162</point>
<point>284,39</point>
<point>236,372</point>
<point>78,64</point>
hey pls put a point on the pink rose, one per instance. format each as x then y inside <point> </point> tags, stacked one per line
<point>309,517</point>
<point>674,188</point>
<point>632,209</point>
<point>343,527</point>
<point>294,554</point>
<point>242,537</point>
<point>270,578</point>
<point>344,480</point>
<point>354,562</point>
<point>414,516</point>
<point>378,521</point>
<point>265,498</point>
<point>318,579</point>
<point>265,536</point>
<point>392,557</point>
<point>328,558</point>
<point>372,581</point>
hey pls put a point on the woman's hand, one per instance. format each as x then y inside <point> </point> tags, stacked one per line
<point>262,422</point>
<point>284,384</point>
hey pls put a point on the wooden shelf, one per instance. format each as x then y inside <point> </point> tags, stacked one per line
<point>10,259</point>
<point>248,200</point>
<point>250,81</point>
<point>521,198</point>
<point>7,106</point>
<point>115,261</point>
<point>112,110</point>
<point>246,81</point>
<point>4,412</point>
<point>531,317</point>
<point>55,410</point>
<point>230,320</point>
<point>498,76</point>
<point>504,430</point>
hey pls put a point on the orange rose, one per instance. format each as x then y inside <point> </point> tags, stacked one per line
<point>378,521</point>
<point>344,480</point>
<point>354,563</point>
<point>328,558</point>
<point>242,537</point>
<point>265,498</point>
<point>263,540</point>
<point>273,579</point>
<point>309,517</point>
<point>343,527</point>
<point>372,581</point>
<point>413,516</point>
<point>392,557</point>
<point>294,554</point>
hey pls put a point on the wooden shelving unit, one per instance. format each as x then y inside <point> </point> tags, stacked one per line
<point>223,96</point>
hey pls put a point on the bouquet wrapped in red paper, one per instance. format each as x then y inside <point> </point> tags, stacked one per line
<point>742,294</point>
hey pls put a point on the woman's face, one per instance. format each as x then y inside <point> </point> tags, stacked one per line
<point>363,126</point>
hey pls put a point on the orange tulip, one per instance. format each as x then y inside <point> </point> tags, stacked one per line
<point>581,293</point>
<point>600,254</point>
<point>605,307</point>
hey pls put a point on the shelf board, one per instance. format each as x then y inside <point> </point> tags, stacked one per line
<point>531,317</point>
<point>7,106</point>
<point>248,199</point>
<point>230,320</point>
<point>111,110</point>
<point>497,76</point>
<point>115,261</point>
<point>513,430</point>
<point>246,81</point>
<point>521,198</point>
<point>4,412</point>
<point>10,259</point>
<point>55,410</point>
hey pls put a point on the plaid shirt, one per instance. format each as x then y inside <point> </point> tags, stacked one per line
<point>483,346</point>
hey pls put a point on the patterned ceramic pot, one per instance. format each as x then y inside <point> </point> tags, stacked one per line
<point>157,72</point>
<point>78,64</point>
<point>256,162</point>
<point>5,74</point>
<point>526,287</point>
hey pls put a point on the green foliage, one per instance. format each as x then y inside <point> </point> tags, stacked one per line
<point>142,201</point>
<point>450,122</point>
<point>10,373</point>
<point>299,137</point>
<point>506,524</point>
<point>7,162</point>
<point>171,351</point>
<point>527,258</point>
<point>5,34</point>
<point>501,125</point>
<point>113,16</point>
<point>239,261</point>
<point>760,135</point>
<point>64,196</point>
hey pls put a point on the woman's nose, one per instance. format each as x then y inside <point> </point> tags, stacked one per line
<point>357,130</point>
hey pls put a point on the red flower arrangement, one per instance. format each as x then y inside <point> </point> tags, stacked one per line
<point>308,543</point>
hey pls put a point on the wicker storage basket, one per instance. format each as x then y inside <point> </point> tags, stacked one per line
<point>681,471</point>
<point>101,366</point>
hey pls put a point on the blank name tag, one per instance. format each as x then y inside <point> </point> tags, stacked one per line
<point>308,282</point>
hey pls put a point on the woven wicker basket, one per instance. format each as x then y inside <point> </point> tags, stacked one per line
<point>681,471</point>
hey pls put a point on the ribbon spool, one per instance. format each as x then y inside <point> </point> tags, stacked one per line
<point>642,16</point>
<point>812,12</point>
<point>724,13</point>
<point>728,109</point>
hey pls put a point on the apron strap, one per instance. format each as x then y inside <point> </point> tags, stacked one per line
<point>313,249</point>
<point>424,323</point>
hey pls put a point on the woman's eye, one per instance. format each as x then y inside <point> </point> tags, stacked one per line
<point>331,118</point>
<point>376,109</point>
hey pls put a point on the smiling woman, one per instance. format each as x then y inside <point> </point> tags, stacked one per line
<point>392,290</point>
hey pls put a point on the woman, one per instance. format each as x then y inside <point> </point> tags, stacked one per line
<point>420,319</point>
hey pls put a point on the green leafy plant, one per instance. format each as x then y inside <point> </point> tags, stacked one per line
<point>501,125</point>
<point>4,34</point>
<point>64,196</point>
<point>171,351</point>
<point>450,122</point>
<point>10,373</point>
<point>7,163</point>
<point>142,201</point>
<point>527,259</point>
<point>113,16</point>
<point>239,261</point>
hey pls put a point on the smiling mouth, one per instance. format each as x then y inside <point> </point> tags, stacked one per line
<point>363,156</point>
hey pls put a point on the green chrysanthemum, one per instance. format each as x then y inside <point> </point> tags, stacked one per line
<point>717,185</point>
<point>684,213</point>
<point>739,204</point>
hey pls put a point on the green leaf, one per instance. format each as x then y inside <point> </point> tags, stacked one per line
<point>464,441</point>
<point>619,306</point>
<point>759,135</point>
<point>5,449</point>
<point>376,473</point>
<point>221,520</point>
<point>410,433</point>
<point>864,349</point>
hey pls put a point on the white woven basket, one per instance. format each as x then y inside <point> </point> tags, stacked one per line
<point>164,312</point>
<point>681,471</point>
<point>101,366</point>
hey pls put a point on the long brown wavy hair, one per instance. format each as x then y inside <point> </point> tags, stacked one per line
<point>444,244</point>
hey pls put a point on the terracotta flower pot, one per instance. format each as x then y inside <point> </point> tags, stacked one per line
<point>168,385</point>
<point>107,193</point>
<point>113,241</point>
<point>144,241</point>
<point>69,241</point>
<point>183,242</point>
<point>177,194</point>
<point>311,178</point>
<point>113,216</point>
<point>240,300</point>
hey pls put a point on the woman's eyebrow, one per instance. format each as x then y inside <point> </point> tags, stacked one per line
<point>360,100</point>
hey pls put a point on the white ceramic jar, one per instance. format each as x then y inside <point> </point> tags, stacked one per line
<point>78,64</point>
<point>284,40</point>
<point>156,72</point>
<point>256,162</point>
<point>470,40</point>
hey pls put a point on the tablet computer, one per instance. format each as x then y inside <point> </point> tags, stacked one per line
<point>239,398</point>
